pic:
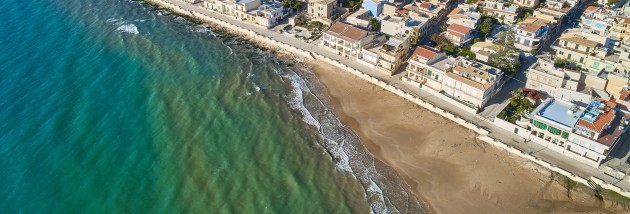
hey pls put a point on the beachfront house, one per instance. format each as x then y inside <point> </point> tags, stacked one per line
<point>270,13</point>
<point>459,35</point>
<point>346,40</point>
<point>585,134</point>
<point>385,55</point>
<point>427,67</point>
<point>530,33</point>
<point>471,83</point>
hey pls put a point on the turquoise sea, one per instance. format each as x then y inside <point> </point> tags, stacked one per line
<point>110,106</point>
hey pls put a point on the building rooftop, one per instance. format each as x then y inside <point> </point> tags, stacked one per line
<point>424,52</point>
<point>563,113</point>
<point>532,24</point>
<point>326,2</point>
<point>347,32</point>
<point>460,29</point>
<point>581,40</point>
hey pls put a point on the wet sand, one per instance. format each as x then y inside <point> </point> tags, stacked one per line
<point>442,162</point>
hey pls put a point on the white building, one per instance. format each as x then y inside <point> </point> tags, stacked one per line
<point>471,83</point>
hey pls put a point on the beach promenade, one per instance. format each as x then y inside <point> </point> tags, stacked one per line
<point>486,128</point>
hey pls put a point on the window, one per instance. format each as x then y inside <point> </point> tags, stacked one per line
<point>553,130</point>
<point>436,77</point>
<point>609,67</point>
<point>515,130</point>
<point>581,59</point>
<point>565,43</point>
<point>565,135</point>
<point>588,49</point>
<point>596,65</point>
<point>577,47</point>
<point>561,52</point>
<point>540,125</point>
<point>429,72</point>
<point>569,57</point>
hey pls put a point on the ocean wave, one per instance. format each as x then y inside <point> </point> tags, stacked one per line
<point>383,188</point>
<point>163,13</point>
<point>112,20</point>
<point>296,102</point>
<point>378,205</point>
<point>128,28</point>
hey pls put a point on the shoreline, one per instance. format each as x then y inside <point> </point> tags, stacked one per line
<point>303,57</point>
<point>447,163</point>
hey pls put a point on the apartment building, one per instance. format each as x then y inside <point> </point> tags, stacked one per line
<point>414,28</point>
<point>427,10</point>
<point>584,53</point>
<point>270,13</point>
<point>465,15</point>
<point>531,33</point>
<point>501,9</point>
<point>459,35</point>
<point>585,134</point>
<point>346,40</point>
<point>427,68</point>
<point>321,8</point>
<point>561,83</point>
<point>471,83</point>
<point>528,3</point>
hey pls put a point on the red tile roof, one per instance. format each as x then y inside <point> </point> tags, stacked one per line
<point>426,5</point>
<point>463,30</point>
<point>403,11</point>
<point>347,32</point>
<point>603,119</point>
<point>591,8</point>
<point>533,95</point>
<point>424,52</point>
<point>455,11</point>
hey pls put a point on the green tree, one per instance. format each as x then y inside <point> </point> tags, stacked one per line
<point>293,4</point>
<point>519,106</point>
<point>466,52</point>
<point>504,58</point>
<point>375,25</point>
<point>612,2</point>
<point>486,26</point>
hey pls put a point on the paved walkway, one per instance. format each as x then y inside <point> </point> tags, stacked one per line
<point>496,132</point>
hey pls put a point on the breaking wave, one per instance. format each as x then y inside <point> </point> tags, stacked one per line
<point>384,190</point>
<point>128,28</point>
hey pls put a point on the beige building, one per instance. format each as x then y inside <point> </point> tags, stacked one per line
<point>560,83</point>
<point>427,68</point>
<point>321,8</point>
<point>584,53</point>
<point>346,40</point>
<point>471,83</point>
<point>528,3</point>
<point>387,56</point>
<point>502,10</point>
<point>483,51</point>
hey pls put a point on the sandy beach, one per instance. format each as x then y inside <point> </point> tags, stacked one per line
<point>442,162</point>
